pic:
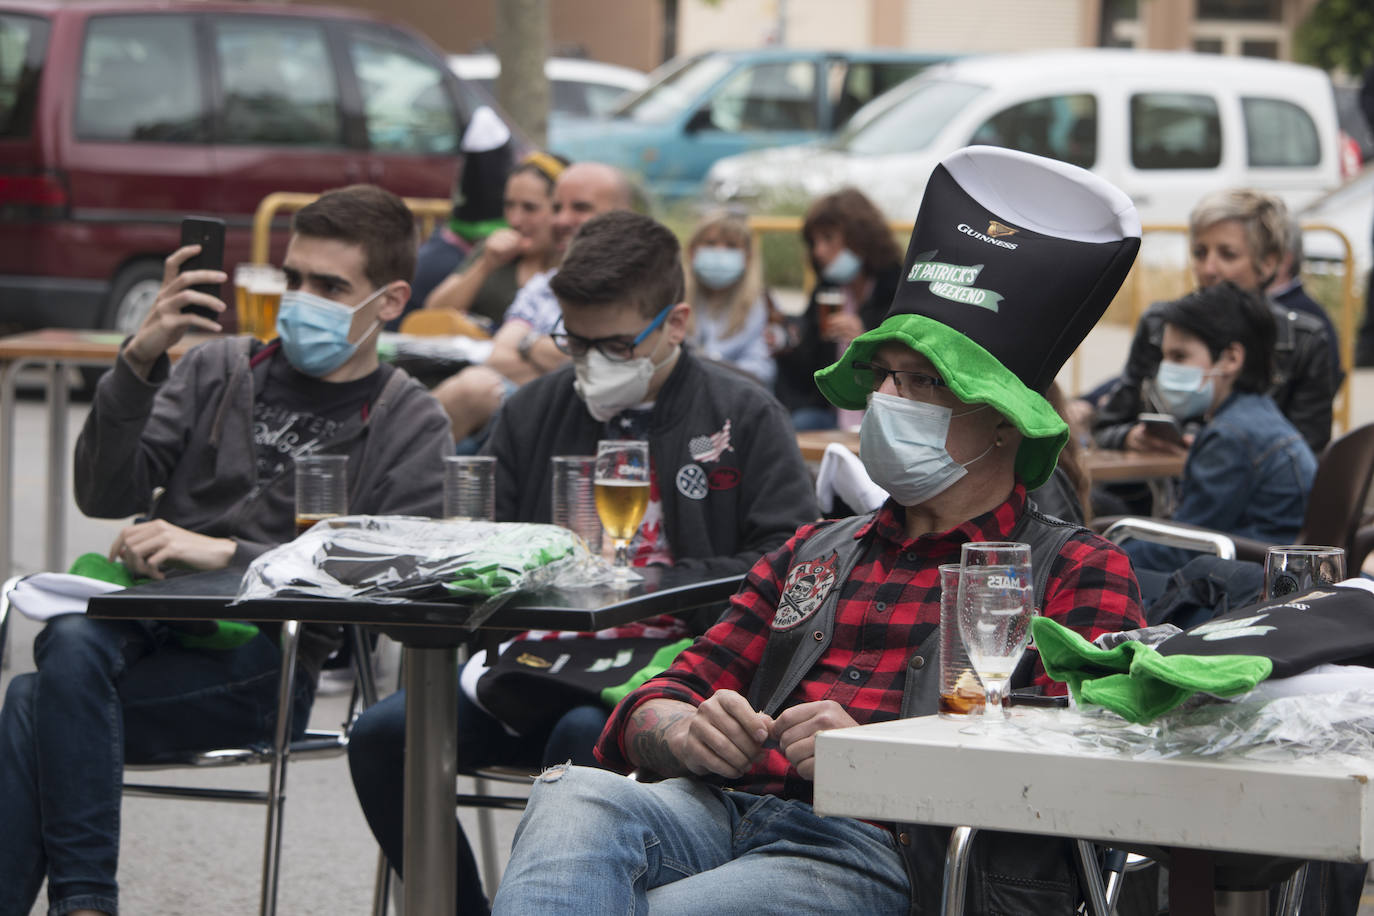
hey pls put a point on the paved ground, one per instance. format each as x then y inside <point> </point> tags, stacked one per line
<point>181,857</point>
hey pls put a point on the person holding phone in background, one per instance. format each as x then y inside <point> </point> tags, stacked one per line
<point>217,434</point>
<point>1249,471</point>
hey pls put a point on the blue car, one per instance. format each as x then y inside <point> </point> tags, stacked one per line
<point>698,109</point>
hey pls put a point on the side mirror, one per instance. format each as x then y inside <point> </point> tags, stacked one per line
<point>700,121</point>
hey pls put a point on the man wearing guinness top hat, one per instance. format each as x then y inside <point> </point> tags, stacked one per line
<point>1012,260</point>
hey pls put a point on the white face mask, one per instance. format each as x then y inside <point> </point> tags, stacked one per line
<point>902,446</point>
<point>609,386</point>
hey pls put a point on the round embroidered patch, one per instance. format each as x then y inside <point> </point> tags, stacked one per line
<point>691,481</point>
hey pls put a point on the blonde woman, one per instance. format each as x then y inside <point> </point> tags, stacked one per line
<point>725,290</point>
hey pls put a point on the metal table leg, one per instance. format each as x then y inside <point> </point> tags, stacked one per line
<point>431,827</point>
<point>956,871</point>
<point>58,462</point>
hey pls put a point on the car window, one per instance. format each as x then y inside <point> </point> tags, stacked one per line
<point>23,44</point>
<point>676,92</point>
<point>853,84</point>
<point>1062,127</point>
<point>405,107</point>
<point>1174,130</point>
<point>140,80</point>
<point>568,97</point>
<point>1279,134</point>
<point>602,98</point>
<point>910,123</point>
<point>778,96</point>
<point>277,83</point>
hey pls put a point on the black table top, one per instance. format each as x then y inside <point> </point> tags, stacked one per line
<point>205,596</point>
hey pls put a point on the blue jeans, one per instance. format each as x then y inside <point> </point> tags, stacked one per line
<point>105,692</point>
<point>376,761</point>
<point>595,842</point>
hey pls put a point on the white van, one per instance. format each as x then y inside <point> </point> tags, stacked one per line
<point>1164,127</point>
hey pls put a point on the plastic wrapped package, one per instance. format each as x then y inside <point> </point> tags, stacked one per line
<point>390,559</point>
<point>1326,712</point>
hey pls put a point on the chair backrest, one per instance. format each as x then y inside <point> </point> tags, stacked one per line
<point>441,322</point>
<point>1339,490</point>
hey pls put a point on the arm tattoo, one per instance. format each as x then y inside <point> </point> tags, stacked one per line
<point>648,740</point>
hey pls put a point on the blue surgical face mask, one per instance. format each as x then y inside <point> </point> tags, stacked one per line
<point>843,268</point>
<point>718,267</point>
<point>1185,391</point>
<point>902,446</point>
<point>314,331</point>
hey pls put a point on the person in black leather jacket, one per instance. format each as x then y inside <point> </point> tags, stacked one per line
<point>1237,235</point>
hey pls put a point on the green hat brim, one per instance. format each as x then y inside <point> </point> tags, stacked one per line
<point>971,372</point>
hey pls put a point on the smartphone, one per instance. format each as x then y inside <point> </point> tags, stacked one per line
<point>208,233</point>
<point>1162,426</point>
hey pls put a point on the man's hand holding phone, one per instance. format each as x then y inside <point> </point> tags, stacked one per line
<point>167,321</point>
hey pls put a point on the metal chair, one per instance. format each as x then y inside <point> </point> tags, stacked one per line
<point>1101,876</point>
<point>1335,508</point>
<point>277,754</point>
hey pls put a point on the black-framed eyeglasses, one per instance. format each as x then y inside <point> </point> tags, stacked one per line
<point>618,347</point>
<point>909,384</point>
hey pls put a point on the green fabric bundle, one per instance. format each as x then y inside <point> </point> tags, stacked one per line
<point>499,561</point>
<point>209,634</point>
<point>1135,681</point>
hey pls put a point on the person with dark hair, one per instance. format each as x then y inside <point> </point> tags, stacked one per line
<point>212,442</point>
<point>486,282</point>
<point>1248,471</point>
<point>1237,235</point>
<point>728,484</point>
<point>857,265</point>
<point>522,349</point>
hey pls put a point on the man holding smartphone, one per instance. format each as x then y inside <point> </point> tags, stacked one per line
<point>215,436</point>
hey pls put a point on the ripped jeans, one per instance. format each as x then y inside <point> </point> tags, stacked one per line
<point>595,842</point>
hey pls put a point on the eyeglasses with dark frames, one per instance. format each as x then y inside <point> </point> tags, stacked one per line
<point>618,347</point>
<point>909,384</point>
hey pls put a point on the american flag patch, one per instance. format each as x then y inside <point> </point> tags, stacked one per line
<point>710,448</point>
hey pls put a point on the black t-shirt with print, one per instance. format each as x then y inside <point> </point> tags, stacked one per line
<point>295,412</point>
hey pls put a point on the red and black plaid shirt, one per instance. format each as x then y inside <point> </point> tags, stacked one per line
<point>887,607</point>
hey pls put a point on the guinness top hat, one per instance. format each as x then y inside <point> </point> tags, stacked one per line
<point>1013,259</point>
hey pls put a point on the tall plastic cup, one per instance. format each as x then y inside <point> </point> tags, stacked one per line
<point>574,497</point>
<point>321,489</point>
<point>961,693</point>
<point>470,487</point>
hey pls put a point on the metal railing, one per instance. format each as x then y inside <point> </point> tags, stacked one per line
<point>426,210</point>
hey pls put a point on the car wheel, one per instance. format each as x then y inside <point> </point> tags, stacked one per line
<point>135,290</point>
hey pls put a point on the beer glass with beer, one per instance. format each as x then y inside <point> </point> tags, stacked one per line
<point>622,494</point>
<point>258,290</point>
<point>829,303</point>
<point>321,489</point>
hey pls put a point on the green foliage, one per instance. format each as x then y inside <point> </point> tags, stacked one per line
<point>1337,34</point>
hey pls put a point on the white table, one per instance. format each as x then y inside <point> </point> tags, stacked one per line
<point>928,771</point>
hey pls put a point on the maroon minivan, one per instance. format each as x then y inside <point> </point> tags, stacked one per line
<point>119,118</point>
